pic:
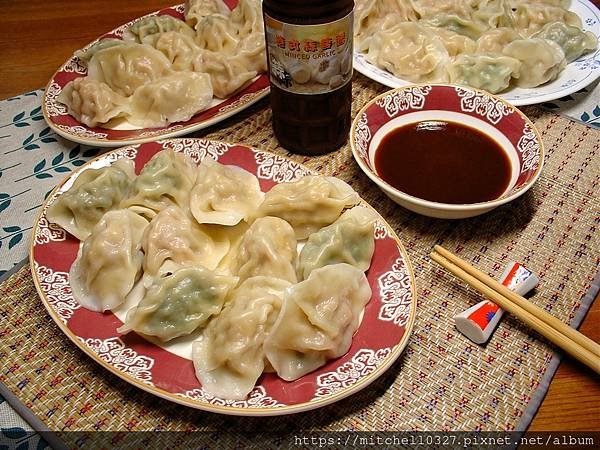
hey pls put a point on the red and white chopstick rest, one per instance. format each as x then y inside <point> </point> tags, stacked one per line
<point>479,321</point>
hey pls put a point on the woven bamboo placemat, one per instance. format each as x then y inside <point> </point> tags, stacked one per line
<point>442,381</point>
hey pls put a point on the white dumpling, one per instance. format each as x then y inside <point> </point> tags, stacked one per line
<point>494,41</point>
<point>430,8</point>
<point>308,204</point>
<point>541,60</point>
<point>179,303</point>
<point>179,48</point>
<point>531,17</point>
<point>124,68</point>
<point>458,24</point>
<point>175,237</point>
<point>165,180</point>
<point>86,54</point>
<point>409,51</point>
<point>228,74</point>
<point>386,24</point>
<point>454,43</point>
<point>195,10</point>
<point>233,50</point>
<point>491,72</point>
<point>216,33</point>
<point>247,17</point>
<point>224,194</point>
<point>268,248</point>
<point>234,235</point>
<point>92,102</point>
<point>369,13</point>
<point>93,193</point>
<point>250,53</point>
<point>229,356</point>
<point>492,13</point>
<point>317,320</point>
<point>574,41</point>
<point>348,240</point>
<point>172,98</point>
<point>565,4</point>
<point>147,27</point>
<point>109,262</point>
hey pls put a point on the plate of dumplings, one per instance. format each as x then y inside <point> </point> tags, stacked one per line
<point>524,52</point>
<point>162,75</point>
<point>223,278</point>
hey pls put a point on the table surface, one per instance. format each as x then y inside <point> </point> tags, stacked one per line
<point>38,37</point>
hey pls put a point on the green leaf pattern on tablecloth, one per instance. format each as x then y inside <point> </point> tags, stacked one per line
<point>17,438</point>
<point>25,119</point>
<point>61,163</point>
<point>33,160</point>
<point>593,118</point>
<point>33,141</point>
<point>15,433</point>
<point>12,236</point>
<point>6,199</point>
<point>37,93</point>
<point>582,105</point>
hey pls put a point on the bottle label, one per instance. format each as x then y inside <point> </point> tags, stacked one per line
<point>310,59</point>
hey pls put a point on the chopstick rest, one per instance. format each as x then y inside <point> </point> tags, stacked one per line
<point>570,340</point>
<point>479,321</point>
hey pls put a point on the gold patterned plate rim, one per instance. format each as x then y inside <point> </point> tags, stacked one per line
<point>380,340</point>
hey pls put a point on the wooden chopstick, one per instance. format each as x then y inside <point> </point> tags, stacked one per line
<point>575,335</point>
<point>570,340</point>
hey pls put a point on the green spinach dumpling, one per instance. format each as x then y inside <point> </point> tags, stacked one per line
<point>165,180</point>
<point>179,303</point>
<point>348,240</point>
<point>94,192</point>
<point>574,41</point>
<point>145,28</point>
<point>86,54</point>
<point>491,71</point>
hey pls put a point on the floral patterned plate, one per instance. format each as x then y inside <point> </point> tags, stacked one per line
<point>167,370</point>
<point>123,133</point>
<point>575,76</point>
<point>491,115</point>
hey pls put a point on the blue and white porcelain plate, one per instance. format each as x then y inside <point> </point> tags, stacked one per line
<point>575,76</point>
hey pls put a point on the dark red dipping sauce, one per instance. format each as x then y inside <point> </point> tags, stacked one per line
<point>444,162</point>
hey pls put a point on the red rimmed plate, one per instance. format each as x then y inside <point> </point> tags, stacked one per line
<point>491,115</point>
<point>67,126</point>
<point>167,371</point>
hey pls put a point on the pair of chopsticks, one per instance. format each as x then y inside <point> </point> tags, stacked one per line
<point>570,340</point>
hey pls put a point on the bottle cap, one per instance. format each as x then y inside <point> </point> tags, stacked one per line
<point>479,321</point>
